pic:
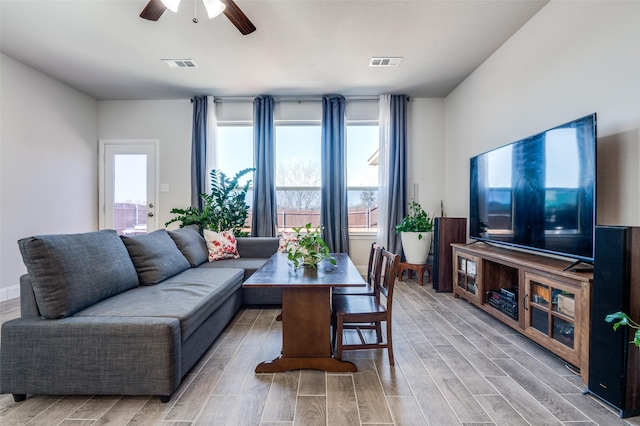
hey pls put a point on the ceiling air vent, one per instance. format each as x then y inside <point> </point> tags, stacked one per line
<point>180,63</point>
<point>385,62</point>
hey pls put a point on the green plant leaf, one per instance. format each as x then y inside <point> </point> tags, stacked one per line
<point>616,316</point>
<point>224,208</point>
<point>417,220</point>
<point>621,318</point>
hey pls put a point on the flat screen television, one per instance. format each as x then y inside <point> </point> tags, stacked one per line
<point>538,193</point>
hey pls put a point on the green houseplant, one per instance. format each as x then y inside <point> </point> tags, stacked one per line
<point>620,318</point>
<point>225,208</point>
<point>307,248</point>
<point>415,232</point>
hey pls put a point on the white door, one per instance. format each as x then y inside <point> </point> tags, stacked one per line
<point>127,186</point>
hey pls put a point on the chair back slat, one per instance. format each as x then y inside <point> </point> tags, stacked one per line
<point>375,261</point>
<point>389,263</point>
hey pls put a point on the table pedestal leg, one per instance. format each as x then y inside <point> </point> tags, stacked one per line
<point>306,333</point>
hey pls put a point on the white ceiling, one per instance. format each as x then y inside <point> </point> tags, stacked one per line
<point>301,47</point>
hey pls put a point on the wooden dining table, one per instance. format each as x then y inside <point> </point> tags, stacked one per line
<point>306,311</point>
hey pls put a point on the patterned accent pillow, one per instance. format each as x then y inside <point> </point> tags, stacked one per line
<point>221,245</point>
<point>286,238</point>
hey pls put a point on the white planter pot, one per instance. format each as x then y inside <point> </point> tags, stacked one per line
<point>416,249</point>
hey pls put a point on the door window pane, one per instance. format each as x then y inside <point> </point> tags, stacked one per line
<point>130,194</point>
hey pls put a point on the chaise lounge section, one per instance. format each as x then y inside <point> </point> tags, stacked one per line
<point>109,315</point>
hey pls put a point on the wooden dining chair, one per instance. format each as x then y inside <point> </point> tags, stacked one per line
<point>372,269</point>
<point>358,312</point>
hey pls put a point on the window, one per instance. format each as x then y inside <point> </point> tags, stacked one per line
<point>298,177</point>
<point>234,153</point>
<point>298,159</point>
<point>362,176</point>
<point>298,174</point>
<point>235,149</point>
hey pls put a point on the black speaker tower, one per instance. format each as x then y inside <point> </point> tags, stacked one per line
<point>614,370</point>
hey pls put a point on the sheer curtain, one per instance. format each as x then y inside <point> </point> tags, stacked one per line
<point>383,170</point>
<point>212,139</point>
<point>265,209</point>
<point>392,198</point>
<point>202,134</point>
<point>333,199</point>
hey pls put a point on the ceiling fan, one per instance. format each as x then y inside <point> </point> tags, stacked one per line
<point>155,9</point>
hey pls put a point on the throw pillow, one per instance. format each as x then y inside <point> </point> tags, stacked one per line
<point>221,245</point>
<point>191,244</point>
<point>155,256</point>
<point>286,238</point>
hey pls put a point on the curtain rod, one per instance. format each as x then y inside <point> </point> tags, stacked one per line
<point>225,99</point>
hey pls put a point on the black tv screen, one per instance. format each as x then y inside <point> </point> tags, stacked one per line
<point>538,193</point>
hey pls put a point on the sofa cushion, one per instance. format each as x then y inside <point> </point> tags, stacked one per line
<point>155,256</point>
<point>221,245</point>
<point>191,297</point>
<point>69,272</point>
<point>250,265</point>
<point>257,247</point>
<point>191,244</point>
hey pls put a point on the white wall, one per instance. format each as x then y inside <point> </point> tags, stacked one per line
<point>168,121</point>
<point>48,163</point>
<point>571,59</point>
<point>426,153</point>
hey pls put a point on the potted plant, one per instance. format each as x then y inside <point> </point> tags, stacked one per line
<point>224,209</point>
<point>307,248</point>
<point>415,233</point>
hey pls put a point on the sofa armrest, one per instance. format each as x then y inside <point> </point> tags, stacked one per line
<point>257,247</point>
<point>91,355</point>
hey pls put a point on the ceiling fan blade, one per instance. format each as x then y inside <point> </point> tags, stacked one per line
<point>153,10</point>
<point>238,18</point>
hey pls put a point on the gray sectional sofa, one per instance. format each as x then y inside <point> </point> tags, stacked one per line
<point>109,315</point>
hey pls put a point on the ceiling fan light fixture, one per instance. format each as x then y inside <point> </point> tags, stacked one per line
<point>172,5</point>
<point>214,7</point>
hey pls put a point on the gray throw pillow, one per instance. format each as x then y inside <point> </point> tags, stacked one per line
<point>70,272</point>
<point>155,256</point>
<point>191,244</point>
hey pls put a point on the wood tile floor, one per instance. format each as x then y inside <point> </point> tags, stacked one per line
<point>454,365</point>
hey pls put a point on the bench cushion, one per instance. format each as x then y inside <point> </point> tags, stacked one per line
<point>71,272</point>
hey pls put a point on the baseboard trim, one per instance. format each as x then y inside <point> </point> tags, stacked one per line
<point>7,293</point>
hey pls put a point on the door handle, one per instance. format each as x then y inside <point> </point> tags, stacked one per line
<point>150,205</point>
<point>150,214</point>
